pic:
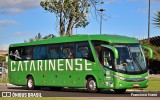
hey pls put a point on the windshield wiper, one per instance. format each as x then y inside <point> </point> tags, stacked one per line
<point>135,60</point>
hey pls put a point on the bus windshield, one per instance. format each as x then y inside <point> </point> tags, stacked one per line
<point>131,59</point>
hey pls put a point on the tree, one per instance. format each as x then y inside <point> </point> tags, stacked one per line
<point>36,38</point>
<point>39,37</point>
<point>49,36</point>
<point>31,40</point>
<point>70,13</point>
<point>157,19</point>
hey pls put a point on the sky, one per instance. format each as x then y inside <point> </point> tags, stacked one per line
<point>24,19</point>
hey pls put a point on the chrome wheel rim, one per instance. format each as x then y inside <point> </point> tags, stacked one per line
<point>30,83</point>
<point>92,85</point>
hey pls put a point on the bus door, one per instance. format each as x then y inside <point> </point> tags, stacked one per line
<point>108,66</point>
<point>109,55</point>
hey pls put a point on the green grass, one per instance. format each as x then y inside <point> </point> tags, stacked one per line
<point>4,80</point>
<point>2,59</point>
<point>154,84</point>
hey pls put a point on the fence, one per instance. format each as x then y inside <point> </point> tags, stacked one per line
<point>3,70</point>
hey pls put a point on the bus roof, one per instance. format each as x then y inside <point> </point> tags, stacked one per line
<point>76,38</point>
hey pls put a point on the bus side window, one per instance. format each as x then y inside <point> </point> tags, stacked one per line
<point>53,52</point>
<point>15,53</point>
<point>70,53</point>
<point>36,53</point>
<point>67,53</point>
<point>27,53</point>
<point>83,51</point>
<point>64,53</point>
<point>98,51</point>
<point>108,58</point>
<point>39,52</point>
<point>11,55</point>
<point>68,50</point>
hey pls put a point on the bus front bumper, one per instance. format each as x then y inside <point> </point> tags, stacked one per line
<point>123,84</point>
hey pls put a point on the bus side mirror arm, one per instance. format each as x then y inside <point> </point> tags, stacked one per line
<point>115,51</point>
<point>150,51</point>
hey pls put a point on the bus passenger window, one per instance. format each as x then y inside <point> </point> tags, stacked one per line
<point>68,50</point>
<point>107,59</point>
<point>28,56</point>
<point>83,51</point>
<point>39,52</point>
<point>11,53</point>
<point>98,50</point>
<point>67,53</point>
<point>15,54</point>
<point>70,54</point>
<point>27,53</point>
<point>64,53</point>
<point>53,53</point>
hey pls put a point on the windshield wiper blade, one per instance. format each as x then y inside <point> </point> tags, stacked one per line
<point>135,60</point>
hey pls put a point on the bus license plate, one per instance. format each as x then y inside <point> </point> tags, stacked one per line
<point>136,85</point>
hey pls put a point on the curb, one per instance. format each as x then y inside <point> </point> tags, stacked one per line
<point>143,90</point>
<point>10,85</point>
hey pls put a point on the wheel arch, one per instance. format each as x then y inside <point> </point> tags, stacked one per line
<point>32,77</point>
<point>94,77</point>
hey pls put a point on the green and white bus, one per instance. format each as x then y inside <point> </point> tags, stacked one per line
<point>85,61</point>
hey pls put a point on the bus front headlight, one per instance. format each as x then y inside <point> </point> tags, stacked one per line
<point>146,77</point>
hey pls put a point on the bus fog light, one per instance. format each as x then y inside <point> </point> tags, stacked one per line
<point>146,77</point>
<point>107,83</point>
<point>111,84</point>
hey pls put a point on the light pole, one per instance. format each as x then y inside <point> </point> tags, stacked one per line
<point>101,10</point>
<point>149,20</point>
<point>76,30</point>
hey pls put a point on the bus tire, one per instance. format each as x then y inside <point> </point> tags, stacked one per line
<point>91,85</point>
<point>119,91</point>
<point>30,83</point>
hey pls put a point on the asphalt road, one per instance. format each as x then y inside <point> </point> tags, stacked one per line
<point>68,92</point>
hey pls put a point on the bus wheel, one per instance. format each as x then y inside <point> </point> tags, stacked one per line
<point>91,85</point>
<point>119,91</point>
<point>30,83</point>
